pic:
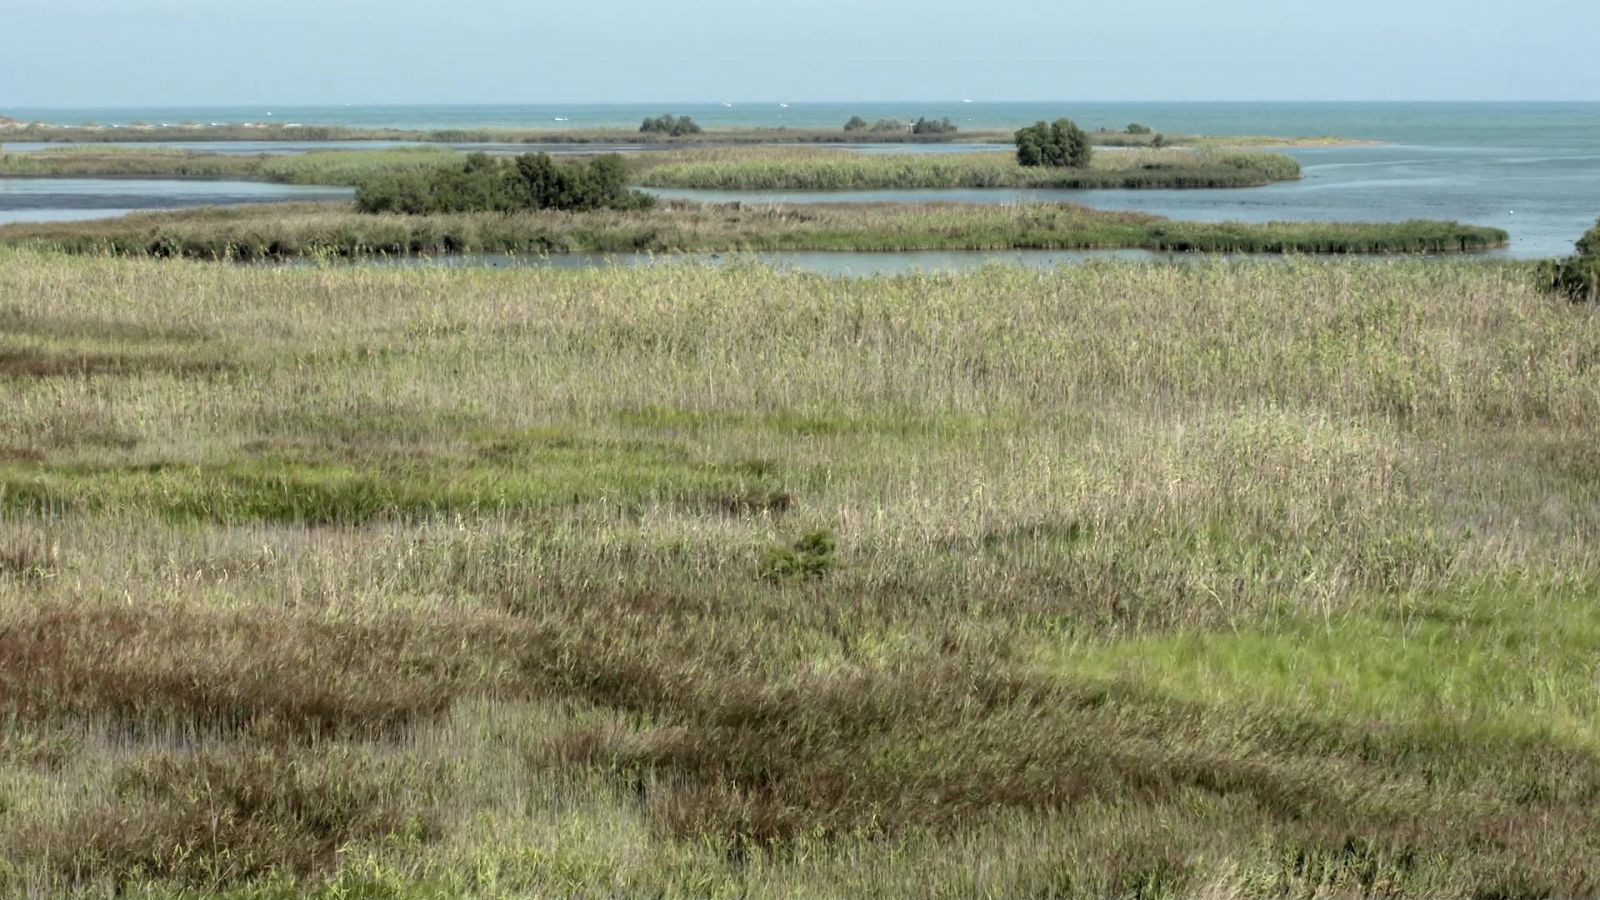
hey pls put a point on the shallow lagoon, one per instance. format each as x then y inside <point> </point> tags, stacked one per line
<point>67,199</point>
<point>1546,200</point>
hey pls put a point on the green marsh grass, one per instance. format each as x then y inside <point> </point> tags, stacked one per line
<point>1223,580</point>
<point>328,167</point>
<point>805,169</point>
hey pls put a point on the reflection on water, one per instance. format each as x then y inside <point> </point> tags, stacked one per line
<point>63,199</point>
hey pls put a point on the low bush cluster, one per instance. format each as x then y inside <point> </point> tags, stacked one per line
<point>811,557</point>
<point>670,125</point>
<point>1061,144</point>
<point>934,126</point>
<point>1578,276</point>
<point>483,184</point>
<point>889,126</point>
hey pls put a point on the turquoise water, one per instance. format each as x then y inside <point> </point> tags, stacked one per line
<point>1447,123</point>
<point>1530,168</point>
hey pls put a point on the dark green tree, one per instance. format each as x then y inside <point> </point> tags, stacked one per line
<point>933,126</point>
<point>1061,144</point>
<point>670,125</point>
<point>1589,244</point>
<point>856,123</point>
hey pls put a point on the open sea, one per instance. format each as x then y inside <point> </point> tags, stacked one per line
<point>1531,168</point>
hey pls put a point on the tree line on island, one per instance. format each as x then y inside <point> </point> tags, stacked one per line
<point>1061,143</point>
<point>922,125</point>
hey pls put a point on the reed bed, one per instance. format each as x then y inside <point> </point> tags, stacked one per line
<point>809,169</point>
<point>1226,580</point>
<point>289,231</point>
<point>327,167</point>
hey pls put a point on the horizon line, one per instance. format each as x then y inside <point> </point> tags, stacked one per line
<point>791,103</point>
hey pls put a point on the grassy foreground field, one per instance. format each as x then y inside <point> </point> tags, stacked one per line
<point>811,169</point>
<point>288,231</point>
<point>1129,581</point>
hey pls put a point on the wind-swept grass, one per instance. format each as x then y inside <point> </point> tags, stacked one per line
<point>300,230</point>
<point>826,170</point>
<point>1226,580</point>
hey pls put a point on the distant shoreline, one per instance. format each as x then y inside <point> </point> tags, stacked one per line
<point>13,130</point>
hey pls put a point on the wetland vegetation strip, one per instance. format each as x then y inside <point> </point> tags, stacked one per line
<point>319,167</point>
<point>285,231</point>
<point>729,168</point>
<point>825,170</point>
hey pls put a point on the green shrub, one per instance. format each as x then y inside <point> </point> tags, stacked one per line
<point>886,125</point>
<point>1589,244</point>
<point>931,126</point>
<point>856,123</point>
<point>1136,128</point>
<point>483,184</point>
<point>1062,145</point>
<point>1576,277</point>
<point>809,558</point>
<point>672,126</point>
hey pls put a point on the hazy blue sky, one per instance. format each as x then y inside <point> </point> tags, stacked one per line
<point>178,52</point>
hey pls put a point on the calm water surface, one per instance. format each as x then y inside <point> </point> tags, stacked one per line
<point>66,199</point>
